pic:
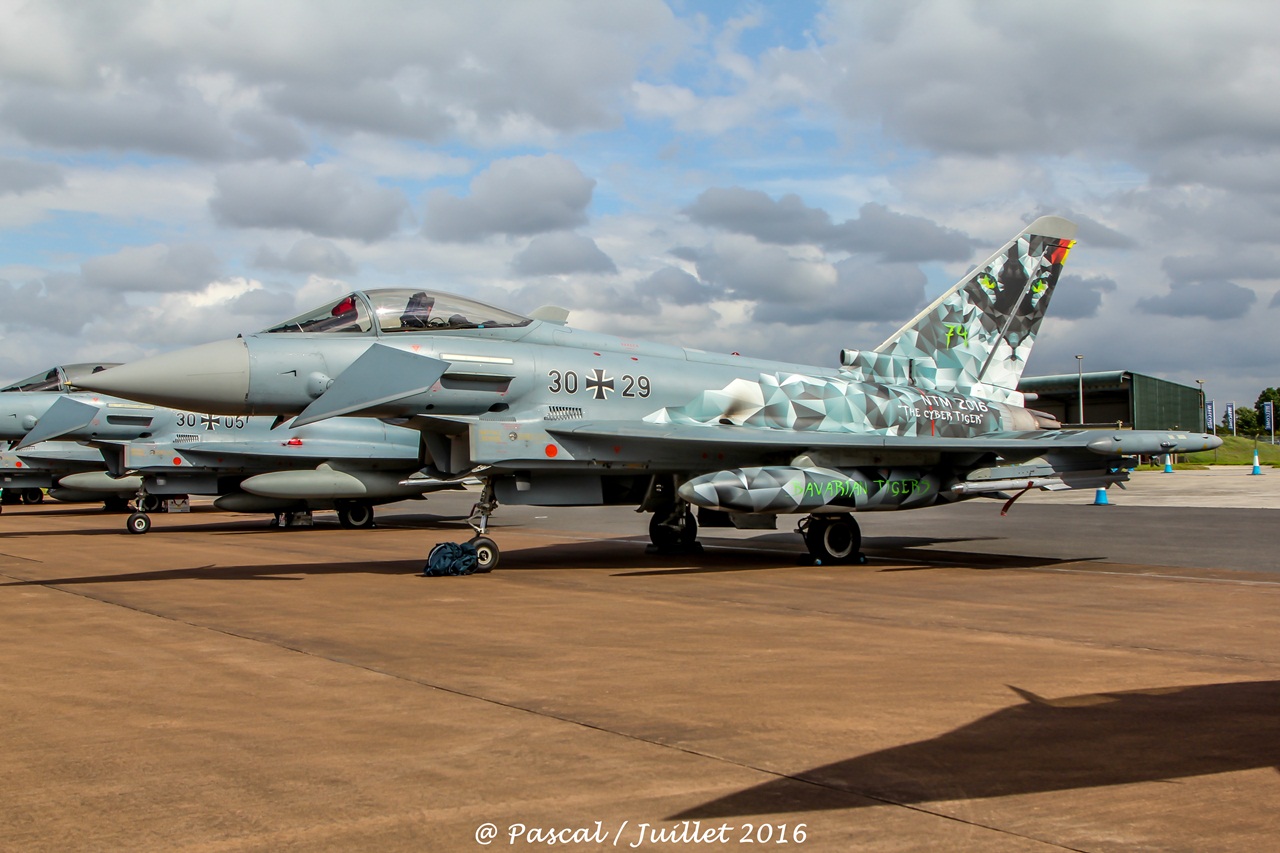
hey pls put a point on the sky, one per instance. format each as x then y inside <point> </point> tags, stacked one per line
<point>781,180</point>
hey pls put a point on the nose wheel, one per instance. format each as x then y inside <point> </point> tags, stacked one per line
<point>138,523</point>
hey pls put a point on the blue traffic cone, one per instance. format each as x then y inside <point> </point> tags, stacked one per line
<point>1257,469</point>
<point>1168,463</point>
<point>1100,498</point>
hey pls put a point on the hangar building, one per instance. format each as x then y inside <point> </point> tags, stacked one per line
<point>1133,400</point>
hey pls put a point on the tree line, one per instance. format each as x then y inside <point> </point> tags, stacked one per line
<point>1249,421</point>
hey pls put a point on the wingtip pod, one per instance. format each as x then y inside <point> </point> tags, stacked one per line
<point>1151,442</point>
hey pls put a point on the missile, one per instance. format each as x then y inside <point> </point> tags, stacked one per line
<point>791,489</point>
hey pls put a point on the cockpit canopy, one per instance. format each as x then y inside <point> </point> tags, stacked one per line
<point>401,310</point>
<point>57,379</point>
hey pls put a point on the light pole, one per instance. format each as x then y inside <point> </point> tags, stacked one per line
<point>1080,377</point>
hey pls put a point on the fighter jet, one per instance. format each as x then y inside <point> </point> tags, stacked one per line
<point>26,474</point>
<point>548,415</point>
<point>153,454</point>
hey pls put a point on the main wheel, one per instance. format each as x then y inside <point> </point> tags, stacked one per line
<point>667,536</point>
<point>139,522</point>
<point>32,496</point>
<point>834,539</point>
<point>151,503</point>
<point>354,514</point>
<point>486,553</point>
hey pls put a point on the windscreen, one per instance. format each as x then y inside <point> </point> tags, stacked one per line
<point>347,314</point>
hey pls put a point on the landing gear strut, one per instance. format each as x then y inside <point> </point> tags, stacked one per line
<point>833,539</point>
<point>140,522</point>
<point>486,548</point>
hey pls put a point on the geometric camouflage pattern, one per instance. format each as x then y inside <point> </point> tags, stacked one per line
<point>790,489</point>
<point>836,405</point>
<point>979,333</point>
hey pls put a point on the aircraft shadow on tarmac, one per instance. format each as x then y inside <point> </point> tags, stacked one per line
<point>287,572</point>
<point>112,524</point>
<point>1042,745</point>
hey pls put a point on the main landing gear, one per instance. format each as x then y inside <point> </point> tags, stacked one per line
<point>674,530</point>
<point>833,539</point>
<point>354,514</point>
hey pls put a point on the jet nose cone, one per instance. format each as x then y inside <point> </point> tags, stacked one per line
<point>212,377</point>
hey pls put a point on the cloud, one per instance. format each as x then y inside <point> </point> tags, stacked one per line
<point>1117,78</point>
<point>156,268</point>
<point>894,237</point>
<point>322,200</point>
<point>1078,298</point>
<point>519,196</point>
<point>21,176</point>
<point>787,221</point>
<point>1211,300</point>
<point>899,237</point>
<point>308,255</point>
<point>869,291</point>
<point>676,287</point>
<point>26,305</point>
<point>561,253</point>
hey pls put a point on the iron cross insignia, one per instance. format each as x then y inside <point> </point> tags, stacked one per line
<point>599,384</point>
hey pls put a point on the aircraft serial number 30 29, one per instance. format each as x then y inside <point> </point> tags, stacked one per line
<point>598,383</point>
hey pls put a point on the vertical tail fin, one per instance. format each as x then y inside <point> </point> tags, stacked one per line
<point>980,332</point>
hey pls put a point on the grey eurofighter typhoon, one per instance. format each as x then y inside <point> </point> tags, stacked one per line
<point>150,454</point>
<point>548,415</point>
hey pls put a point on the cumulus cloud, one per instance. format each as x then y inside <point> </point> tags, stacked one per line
<point>1211,300</point>
<point>27,305</point>
<point>670,285</point>
<point>867,291</point>
<point>894,237</point>
<point>519,196</point>
<point>562,253</point>
<point>156,268</point>
<point>308,255</point>
<point>1078,298</point>
<point>325,201</point>
<point>787,221</point>
<point>899,237</point>
<point>21,176</point>
<point>1073,74</point>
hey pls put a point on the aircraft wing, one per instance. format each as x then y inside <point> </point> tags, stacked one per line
<point>1008,445</point>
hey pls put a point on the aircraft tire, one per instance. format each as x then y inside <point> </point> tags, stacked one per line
<point>668,537</point>
<point>32,496</point>
<point>138,523</point>
<point>834,539</point>
<point>355,514</point>
<point>486,554</point>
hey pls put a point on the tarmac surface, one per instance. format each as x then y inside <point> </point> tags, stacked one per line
<point>1066,677</point>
